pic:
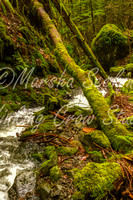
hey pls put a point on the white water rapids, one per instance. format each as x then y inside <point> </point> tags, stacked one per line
<point>12,158</point>
<point>81,101</point>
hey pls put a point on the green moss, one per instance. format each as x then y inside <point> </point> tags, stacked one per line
<point>55,173</point>
<point>111,94</point>
<point>52,102</point>
<point>129,67</point>
<point>38,156</point>
<point>76,111</point>
<point>44,127</point>
<point>8,5</point>
<point>76,143</point>
<point>96,180</point>
<point>97,137</point>
<point>46,166</point>
<point>116,70</point>
<point>78,196</point>
<point>130,98</point>
<point>69,151</point>
<point>95,156</point>
<point>128,87</point>
<point>3,8</point>
<point>50,152</point>
<point>26,134</point>
<point>109,45</point>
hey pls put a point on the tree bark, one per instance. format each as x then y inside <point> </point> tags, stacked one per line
<point>79,36</point>
<point>92,16</point>
<point>112,128</point>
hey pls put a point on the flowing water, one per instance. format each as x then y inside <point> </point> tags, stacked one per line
<point>13,157</point>
<point>81,101</point>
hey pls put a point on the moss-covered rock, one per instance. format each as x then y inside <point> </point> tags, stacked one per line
<point>128,87</point>
<point>38,156</point>
<point>129,67</point>
<point>67,151</point>
<point>46,166</point>
<point>44,127</point>
<point>96,180</point>
<point>109,45</point>
<point>51,154</point>
<point>97,137</point>
<point>55,173</point>
<point>95,156</point>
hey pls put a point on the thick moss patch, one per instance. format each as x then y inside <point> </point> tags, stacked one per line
<point>96,180</point>
<point>95,138</point>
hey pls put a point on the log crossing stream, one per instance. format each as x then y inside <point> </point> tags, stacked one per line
<point>13,156</point>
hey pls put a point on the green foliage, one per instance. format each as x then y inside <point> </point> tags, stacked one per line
<point>8,5</point>
<point>55,173</point>
<point>128,87</point>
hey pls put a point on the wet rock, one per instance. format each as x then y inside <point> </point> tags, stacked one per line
<point>25,183</point>
<point>43,189</point>
<point>57,191</point>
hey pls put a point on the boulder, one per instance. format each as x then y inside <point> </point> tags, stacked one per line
<point>96,180</point>
<point>109,45</point>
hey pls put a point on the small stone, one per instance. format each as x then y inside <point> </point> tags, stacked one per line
<point>59,187</point>
<point>60,128</point>
<point>55,193</point>
<point>43,190</point>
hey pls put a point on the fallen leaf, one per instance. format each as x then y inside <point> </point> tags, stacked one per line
<point>88,130</point>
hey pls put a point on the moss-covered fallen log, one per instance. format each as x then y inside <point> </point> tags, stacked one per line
<point>118,135</point>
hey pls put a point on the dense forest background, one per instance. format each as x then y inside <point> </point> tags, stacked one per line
<point>90,16</point>
<point>48,51</point>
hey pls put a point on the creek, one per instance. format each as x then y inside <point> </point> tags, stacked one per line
<point>14,156</point>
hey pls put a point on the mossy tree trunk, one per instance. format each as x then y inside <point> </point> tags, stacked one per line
<point>113,129</point>
<point>61,8</point>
